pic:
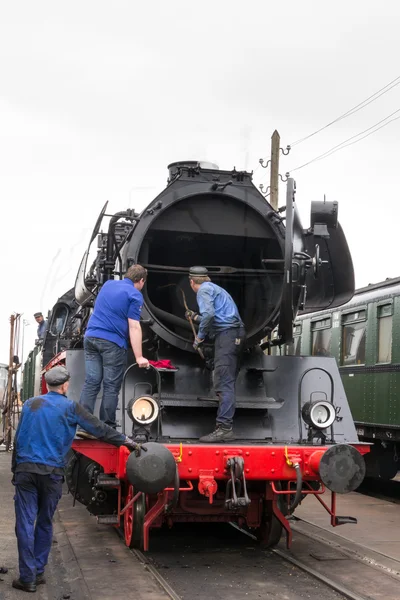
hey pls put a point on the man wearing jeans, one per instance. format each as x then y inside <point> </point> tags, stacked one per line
<point>115,320</point>
<point>219,319</point>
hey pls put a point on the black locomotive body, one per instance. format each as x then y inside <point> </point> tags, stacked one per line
<point>293,426</point>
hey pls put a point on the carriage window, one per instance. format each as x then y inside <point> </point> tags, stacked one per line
<point>321,337</point>
<point>385,318</point>
<point>293,349</point>
<point>296,345</point>
<point>353,338</point>
<point>59,320</point>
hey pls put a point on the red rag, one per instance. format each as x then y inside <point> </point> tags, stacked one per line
<point>162,364</point>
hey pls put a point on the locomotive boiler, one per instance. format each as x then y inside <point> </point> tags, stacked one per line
<point>294,434</point>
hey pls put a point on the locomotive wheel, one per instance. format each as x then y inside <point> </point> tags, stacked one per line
<point>134,520</point>
<point>270,531</point>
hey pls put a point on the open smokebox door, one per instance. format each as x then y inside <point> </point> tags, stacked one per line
<point>228,231</point>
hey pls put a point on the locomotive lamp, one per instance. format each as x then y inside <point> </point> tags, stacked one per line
<point>143,410</point>
<point>320,414</point>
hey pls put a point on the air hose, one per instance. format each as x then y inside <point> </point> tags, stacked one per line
<point>299,481</point>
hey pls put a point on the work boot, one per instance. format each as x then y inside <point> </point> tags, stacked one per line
<point>85,435</point>
<point>25,586</point>
<point>40,579</point>
<point>222,433</point>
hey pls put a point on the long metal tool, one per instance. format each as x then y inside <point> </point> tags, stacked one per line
<point>191,324</point>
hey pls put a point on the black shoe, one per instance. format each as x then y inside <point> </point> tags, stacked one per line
<point>221,434</point>
<point>40,579</point>
<point>25,586</point>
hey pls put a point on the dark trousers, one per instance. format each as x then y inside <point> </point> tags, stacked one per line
<point>36,498</point>
<point>104,362</point>
<point>227,351</point>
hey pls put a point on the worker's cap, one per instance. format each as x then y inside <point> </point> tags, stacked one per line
<point>57,376</point>
<point>198,272</point>
<point>38,314</point>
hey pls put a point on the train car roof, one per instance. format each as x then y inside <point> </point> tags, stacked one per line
<point>374,291</point>
<point>388,282</point>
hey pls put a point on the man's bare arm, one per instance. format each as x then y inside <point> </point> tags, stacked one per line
<point>135,335</point>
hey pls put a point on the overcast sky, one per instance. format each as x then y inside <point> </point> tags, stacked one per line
<point>96,98</point>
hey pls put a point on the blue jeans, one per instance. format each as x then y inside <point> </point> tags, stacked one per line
<point>227,351</point>
<point>104,362</point>
<point>36,498</point>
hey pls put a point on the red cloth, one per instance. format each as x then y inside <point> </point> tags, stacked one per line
<point>162,364</point>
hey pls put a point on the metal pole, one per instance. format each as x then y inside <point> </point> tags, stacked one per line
<point>22,344</point>
<point>274,177</point>
<point>7,408</point>
<point>25,323</point>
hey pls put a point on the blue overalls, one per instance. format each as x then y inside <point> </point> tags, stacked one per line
<point>36,498</point>
<point>44,436</point>
<point>41,330</point>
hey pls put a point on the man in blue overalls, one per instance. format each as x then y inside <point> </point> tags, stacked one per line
<point>44,436</point>
<point>41,330</point>
<point>219,319</point>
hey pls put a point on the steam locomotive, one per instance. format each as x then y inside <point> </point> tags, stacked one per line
<point>294,433</point>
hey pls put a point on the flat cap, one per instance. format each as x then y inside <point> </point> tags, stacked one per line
<point>57,376</point>
<point>38,314</point>
<point>198,271</point>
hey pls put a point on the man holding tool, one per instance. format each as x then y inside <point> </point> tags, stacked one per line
<point>218,318</point>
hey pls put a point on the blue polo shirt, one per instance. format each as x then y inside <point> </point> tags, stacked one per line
<point>118,301</point>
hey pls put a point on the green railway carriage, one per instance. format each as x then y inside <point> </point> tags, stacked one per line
<point>364,337</point>
<point>31,374</point>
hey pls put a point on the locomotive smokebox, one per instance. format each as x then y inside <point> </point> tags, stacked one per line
<point>341,468</point>
<point>219,220</point>
<point>153,470</point>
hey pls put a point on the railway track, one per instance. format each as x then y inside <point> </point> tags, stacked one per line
<point>221,563</point>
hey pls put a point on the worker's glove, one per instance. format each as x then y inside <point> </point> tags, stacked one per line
<point>190,314</point>
<point>197,343</point>
<point>134,447</point>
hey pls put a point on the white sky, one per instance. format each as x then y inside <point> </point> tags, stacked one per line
<point>96,98</point>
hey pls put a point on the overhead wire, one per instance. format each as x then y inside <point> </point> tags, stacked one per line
<point>392,84</point>
<point>349,141</point>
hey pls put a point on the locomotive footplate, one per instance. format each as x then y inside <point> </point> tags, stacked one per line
<point>237,482</point>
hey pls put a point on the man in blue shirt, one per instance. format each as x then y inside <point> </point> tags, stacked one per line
<point>44,436</point>
<point>219,319</point>
<point>41,330</point>
<point>115,320</point>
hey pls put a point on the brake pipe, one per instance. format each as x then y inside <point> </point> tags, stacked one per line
<point>299,480</point>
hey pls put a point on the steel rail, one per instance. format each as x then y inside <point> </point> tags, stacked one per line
<point>347,593</point>
<point>334,585</point>
<point>371,561</point>
<point>162,582</point>
<point>156,574</point>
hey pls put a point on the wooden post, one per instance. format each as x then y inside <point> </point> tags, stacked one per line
<point>274,179</point>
